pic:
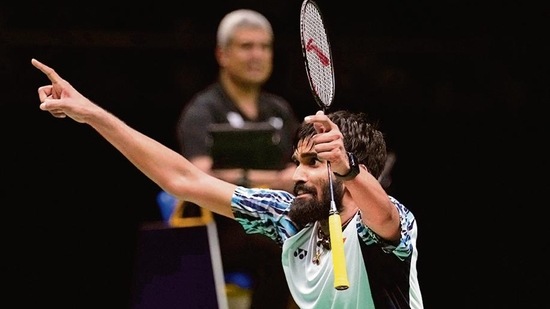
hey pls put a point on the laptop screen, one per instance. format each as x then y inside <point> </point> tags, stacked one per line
<point>255,145</point>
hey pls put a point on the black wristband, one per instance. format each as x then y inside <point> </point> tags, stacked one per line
<point>353,168</point>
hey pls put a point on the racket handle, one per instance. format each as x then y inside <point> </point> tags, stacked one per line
<point>337,248</point>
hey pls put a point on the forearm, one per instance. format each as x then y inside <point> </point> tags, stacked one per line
<point>378,212</point>
<point>167,168</point>
<point>159,163</point>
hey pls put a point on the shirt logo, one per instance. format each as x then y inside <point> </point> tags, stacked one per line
<point>300,253</point>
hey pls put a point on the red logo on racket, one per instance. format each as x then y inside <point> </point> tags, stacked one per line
<point>322,57</point>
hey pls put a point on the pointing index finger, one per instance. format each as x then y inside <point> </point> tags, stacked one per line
<point>50,73</point>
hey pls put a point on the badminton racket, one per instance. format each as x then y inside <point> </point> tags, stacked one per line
<point>320,74</point>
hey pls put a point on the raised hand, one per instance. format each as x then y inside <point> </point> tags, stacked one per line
<point>60,98</point>
<point>329,142</point>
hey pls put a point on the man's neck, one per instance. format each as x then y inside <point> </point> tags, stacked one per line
<point>345,218</point>
<point>245,97</point>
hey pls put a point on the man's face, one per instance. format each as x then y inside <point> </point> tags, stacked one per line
<point>312,191</point>
<point>248,57</point>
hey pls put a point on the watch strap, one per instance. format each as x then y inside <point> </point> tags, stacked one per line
<point>353,168</point>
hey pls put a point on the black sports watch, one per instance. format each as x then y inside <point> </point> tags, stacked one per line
<point>353,168</point>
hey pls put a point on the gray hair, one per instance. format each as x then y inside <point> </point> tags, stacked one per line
<point>241,18</point>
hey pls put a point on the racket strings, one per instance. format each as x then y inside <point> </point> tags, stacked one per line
<point>318,56</point>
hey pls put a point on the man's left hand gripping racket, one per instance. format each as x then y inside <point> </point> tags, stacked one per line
<point>320,73</point>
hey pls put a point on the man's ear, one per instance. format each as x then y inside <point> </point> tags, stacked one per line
<point>219,53</point>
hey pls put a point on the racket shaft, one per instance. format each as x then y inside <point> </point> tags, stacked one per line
<point>337,248</point>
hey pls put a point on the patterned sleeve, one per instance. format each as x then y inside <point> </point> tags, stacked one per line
<point>408,233</point>
<point>264,211</point>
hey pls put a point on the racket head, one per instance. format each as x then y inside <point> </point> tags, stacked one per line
<point>317,54</point>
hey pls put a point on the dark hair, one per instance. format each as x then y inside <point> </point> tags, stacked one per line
<point>361,137</point>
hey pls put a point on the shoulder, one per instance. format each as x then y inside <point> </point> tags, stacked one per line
<point>274,99</point>
<point>260,197</point>
<point>209,101</point>
<point>403,210</point>
<point>408,232</point>
<point>277,104</point>
<point>211,94</point>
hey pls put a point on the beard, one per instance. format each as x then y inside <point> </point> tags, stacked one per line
<point>309,210</point>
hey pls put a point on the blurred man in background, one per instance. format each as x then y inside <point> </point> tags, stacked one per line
<point>244,52</point>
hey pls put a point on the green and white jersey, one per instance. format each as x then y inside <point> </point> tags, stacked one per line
<point>380,274</point>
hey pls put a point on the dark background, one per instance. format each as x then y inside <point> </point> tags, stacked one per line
<point>458,87</point>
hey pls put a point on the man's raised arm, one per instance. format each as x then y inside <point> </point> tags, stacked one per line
<point>167,168</point>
